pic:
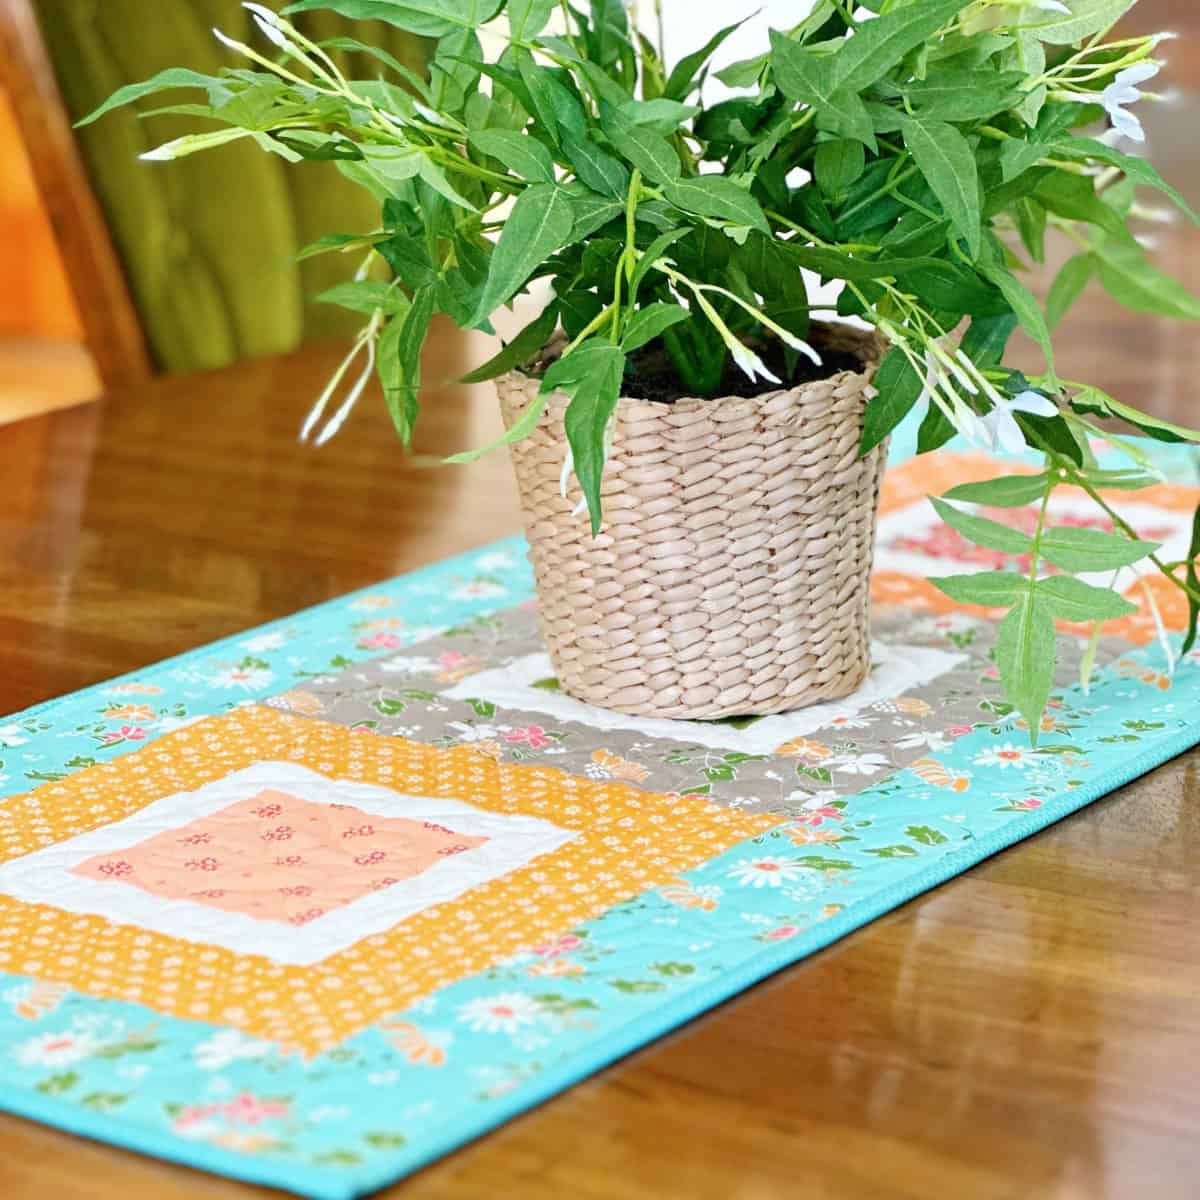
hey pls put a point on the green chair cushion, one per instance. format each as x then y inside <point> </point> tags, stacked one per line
<point>208,242</point>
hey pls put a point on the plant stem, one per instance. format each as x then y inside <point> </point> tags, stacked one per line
<point>885,190</point>
<point>847,247</point>
<point>595,323</point>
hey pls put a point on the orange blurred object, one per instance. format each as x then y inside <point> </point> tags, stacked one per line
<point>35,299</point>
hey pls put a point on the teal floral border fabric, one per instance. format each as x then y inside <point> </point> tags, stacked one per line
<point>471,1054</point>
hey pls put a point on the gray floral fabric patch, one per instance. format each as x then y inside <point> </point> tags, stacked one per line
<point>490,684</point>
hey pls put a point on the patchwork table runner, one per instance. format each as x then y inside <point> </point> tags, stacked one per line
<point>316,904</point>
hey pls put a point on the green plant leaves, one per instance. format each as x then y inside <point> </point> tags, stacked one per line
<point>948,164</point>
<point>648,323</point>
<point>1067,287</point>
<point>1091,399</point>
<point>985,341</point>
<point>1086,550</point>
<point>661,116</point>
<point>591,376</point>
<point>398,361</point>
<point>1025,656</point>
<point>173,77</point>
<point>935,431</point>
<point>541,222</point>
<point>592,211</point>
<point>1085,18</point>
<point>365,296</point>
<point>553,104</point>
<point>719,197</point>
<point>1023,303</point>
<point>802,75</point>
<point>992,589</point>
<point>652,154</point>
<point>527,18</point>
<point>1193,581</point>
<point>1137,169</point>
<point>595,167</point>
<point>430,18</point>
<point>1008,491</point>
<point>524,156</point>
<point>983,532</point>
<point>899,388</point>
<point>1129,277</point>
<point>655,251</point>
<point>879,45</point>
<point>838,164</point>
<point>520,350</point>
<point>965,94</point>
<point>686,74</point>
<point>1070,599</point>
<point>522,427</point>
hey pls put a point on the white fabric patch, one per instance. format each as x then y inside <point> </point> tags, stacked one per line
<point>895,669</point>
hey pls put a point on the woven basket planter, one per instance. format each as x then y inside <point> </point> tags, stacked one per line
<point>731,574</point>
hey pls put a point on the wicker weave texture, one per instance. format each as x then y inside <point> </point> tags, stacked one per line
<point>731,573</point>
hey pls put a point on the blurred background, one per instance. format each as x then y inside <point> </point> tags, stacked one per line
<point>112,269</point>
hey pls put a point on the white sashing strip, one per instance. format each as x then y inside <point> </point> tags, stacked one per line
<point>895,669</point>
<point>44,877</point>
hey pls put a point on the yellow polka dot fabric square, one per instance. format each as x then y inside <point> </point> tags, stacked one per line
<point>601,842</point>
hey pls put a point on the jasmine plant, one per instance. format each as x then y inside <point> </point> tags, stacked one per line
<point>918,152</point>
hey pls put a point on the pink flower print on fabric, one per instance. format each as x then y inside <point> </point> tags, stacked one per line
<point>231,859</point>
<point>534,736</point>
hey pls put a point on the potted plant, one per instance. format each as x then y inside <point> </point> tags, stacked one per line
<point>698,453</point>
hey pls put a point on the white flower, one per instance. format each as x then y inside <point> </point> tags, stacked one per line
<point>12,735</point>
<point>764,872</point>
<point>246,678</point>
<point>193,143</point>
<point>56,1049</point>
<point>857,764</point>
<point>270,24</point>
<point>408,666</point>
<point>480,589</point>
<point>502,1013</point>
<point>750,363</point>
<point>228,1046</point>
<point>813,799</point>
<point>476,733</point>
<point>168,724</point>
<point>263,642</point>
<point>1004,755</point>
<point>851,720</point>
<point>1121,92</point>
<point>328,1112</point>
<point>1001,426</point>
<point>497,560</point>
<point>927,739</point>
<point>1124,90</point>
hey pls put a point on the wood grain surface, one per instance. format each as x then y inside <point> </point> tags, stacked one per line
<point>1031,1029</point>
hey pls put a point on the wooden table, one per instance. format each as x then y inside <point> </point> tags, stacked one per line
<point>1031,1029</point>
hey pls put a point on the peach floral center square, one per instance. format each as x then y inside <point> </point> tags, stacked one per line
<point>274,856</point>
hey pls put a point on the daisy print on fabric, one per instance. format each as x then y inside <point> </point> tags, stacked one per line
<point>506,1012</point>
<point>765,872</point>
<point>1005,755</point>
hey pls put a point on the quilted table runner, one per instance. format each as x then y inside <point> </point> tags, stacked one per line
<point>316,904</point>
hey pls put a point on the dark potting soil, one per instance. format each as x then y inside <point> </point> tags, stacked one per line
<point>651,374</point>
